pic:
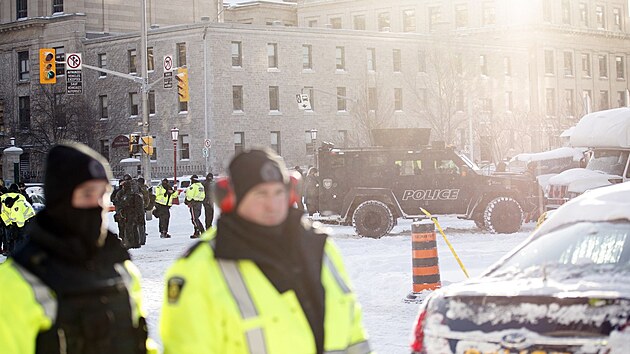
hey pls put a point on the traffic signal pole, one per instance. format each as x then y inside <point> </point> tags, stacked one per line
<point>146,159</point>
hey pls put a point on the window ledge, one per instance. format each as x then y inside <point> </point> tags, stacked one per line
<point>184,160</point>
<point>133,116</point>
<point>275,113</point>
<point>151,115</point>
<point>181,113</point>
<point>104,119</point>
<point>238,113</point>
<point>344,112</point>
<point>102,76</point>
<point>237,67</point>
<point>273,70</point>
<point>341,71</point>
<point>308,71</point>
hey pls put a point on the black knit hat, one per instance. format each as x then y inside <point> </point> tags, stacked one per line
<point>67,166</point>
<point>250,168</point>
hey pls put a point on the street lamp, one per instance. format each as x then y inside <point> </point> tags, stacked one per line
<point>174,138</point>
<point>313,141</point>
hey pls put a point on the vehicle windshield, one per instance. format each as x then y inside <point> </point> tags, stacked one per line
<point>584,244</point>
<point>469,162</point>
<point>609,161</point>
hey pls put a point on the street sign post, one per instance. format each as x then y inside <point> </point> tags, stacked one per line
<point>74,75</point>
<point>168,73</point>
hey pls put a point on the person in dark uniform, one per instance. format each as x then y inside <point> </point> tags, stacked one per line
<point>73,288</point>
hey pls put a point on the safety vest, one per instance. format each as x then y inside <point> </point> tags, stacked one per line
<point>216,306</point>
<point>19,212</point>
<point>195,192</point>
<point>32,308</point>
<point>164,199</point>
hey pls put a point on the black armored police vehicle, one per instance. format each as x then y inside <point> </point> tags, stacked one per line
<point>371,188</point>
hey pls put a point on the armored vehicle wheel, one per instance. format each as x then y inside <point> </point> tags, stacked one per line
<point>503,215</point>
<point>373,219</point>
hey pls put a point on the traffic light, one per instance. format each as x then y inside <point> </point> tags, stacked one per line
<point>182,84</point>
<point>47,66</point>
<point>134,143</point>
<point>147,145</point>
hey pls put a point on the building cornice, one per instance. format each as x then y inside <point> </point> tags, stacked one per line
<point>34,22</point>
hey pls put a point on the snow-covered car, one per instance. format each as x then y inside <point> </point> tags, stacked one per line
<point>38,201</point>
<point>566,289</point>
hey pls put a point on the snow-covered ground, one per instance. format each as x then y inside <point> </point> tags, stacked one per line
<point>380,269</point>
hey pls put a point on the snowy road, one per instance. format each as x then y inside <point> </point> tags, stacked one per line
<point>380,269</point>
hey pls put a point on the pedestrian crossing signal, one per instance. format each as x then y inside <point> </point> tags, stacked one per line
<point>134,143</point>
<point>182,84</point>
<point>47,66</point>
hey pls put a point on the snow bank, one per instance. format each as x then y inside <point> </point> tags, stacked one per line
<point>603,129</point>
<point>576,153</point>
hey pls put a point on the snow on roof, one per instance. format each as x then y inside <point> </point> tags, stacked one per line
<point>576,153</point>
<point>602,204</point>
<point>567,133</point>
<point>610,128</point>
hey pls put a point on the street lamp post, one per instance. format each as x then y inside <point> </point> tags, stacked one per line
<point>314,141</point>
<point>174,138</point>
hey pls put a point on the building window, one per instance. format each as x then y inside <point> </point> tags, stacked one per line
<point>24,112</point>
<point>507,66</point>
<point>372,100</point>
<point>509,102</point>
<point>60,57</point>
<point>603,100</point>
<point>104,150</point>
<point>409,20</point>
<point>151,97</point>
<point>274,98</point>
<point>621,98</point>
<point>600,18</point>
<point>422,99</point>
<point>461,15</point>
<point>21,9</point>
<point>568,64</point>
<point>342,138</point>
<point>181,54</point>
<point>486,104</point>
<point>550,100</point>
<point>603,66</point>
<point>335,22</point>
<point>184,147</point>
<point>586,65</point>
<point>621,67</point>
<point>549,62</point>
<point>587,98</point>
<point>371,59</point>
<point>57,6</point>
<point>483,65</point>
<point>307,56</point>
<point>237,98</point>
<point>311,95</point>
<point>617,19</point>
<point>133,103</point>
<point>150,62</point>
<point>358,22</point>
<point>384,22</point>
<point>312,23</point>
<point>310,143</point>
<point>397,60</point>
<point>24,66</point>
<point>183,107</point>
<point>547,16</point>
<point>422,61</point>
<point>239,142</point>
<point>435,16</point>
<point>459,101</point>
<point>566,12</point>
<point>398,99</point>
<point>340,58</point>
<point>237,54</point>
<point>153,156</point>
<point>458,62</point>
<point>341,99</point>
<point>102,106</point>
<point>102,63</point>
<point>570,102</point>
<point>131,56</point>
<point>275,142</point>
<point>272,55</point>
<point>583,8</point>
<point>489,14</point>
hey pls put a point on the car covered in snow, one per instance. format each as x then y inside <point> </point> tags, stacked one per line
<point>607,134</point>
<point>566,289</point>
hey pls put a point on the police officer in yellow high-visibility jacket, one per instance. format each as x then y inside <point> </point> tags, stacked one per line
<point>164,195</point>
<point>268,282</point>
<point>72,287</point>
<point>195,195</point>
<point>16,212</point>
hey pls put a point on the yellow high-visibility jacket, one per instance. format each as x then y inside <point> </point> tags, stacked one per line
<point>164,199</point>
<point>28,307</point>
<point>19,212</point>
<point>218,306</point>
<point>195,192</point>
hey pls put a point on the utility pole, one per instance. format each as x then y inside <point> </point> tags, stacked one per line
<point>146,159</point>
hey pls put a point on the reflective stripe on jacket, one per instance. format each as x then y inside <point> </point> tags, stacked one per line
<point>195,192</point>
<point>215,306</point>
<point>162,198</point>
